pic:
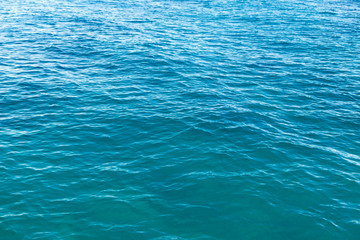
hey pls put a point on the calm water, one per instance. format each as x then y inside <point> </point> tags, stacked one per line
<point>175,120</point>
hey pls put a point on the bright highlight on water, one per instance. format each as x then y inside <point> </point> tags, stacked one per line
<point>186,120</point>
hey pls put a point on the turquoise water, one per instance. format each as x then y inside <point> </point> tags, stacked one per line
<point>164,120</point>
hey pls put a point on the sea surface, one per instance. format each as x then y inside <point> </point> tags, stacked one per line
<point>180,120</point>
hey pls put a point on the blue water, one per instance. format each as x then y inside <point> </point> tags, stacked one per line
<point>174,120</point>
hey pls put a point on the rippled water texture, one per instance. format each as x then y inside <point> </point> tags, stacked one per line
<point>164,120</point>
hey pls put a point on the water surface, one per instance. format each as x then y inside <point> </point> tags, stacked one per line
<point>196,120</point>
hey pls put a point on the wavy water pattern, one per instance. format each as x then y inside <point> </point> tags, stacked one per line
<point>183,119</point>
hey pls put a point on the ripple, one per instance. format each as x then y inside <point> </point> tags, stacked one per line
<point>193,119</point>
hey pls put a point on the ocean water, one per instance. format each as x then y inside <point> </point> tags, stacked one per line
<point>179,120</point>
